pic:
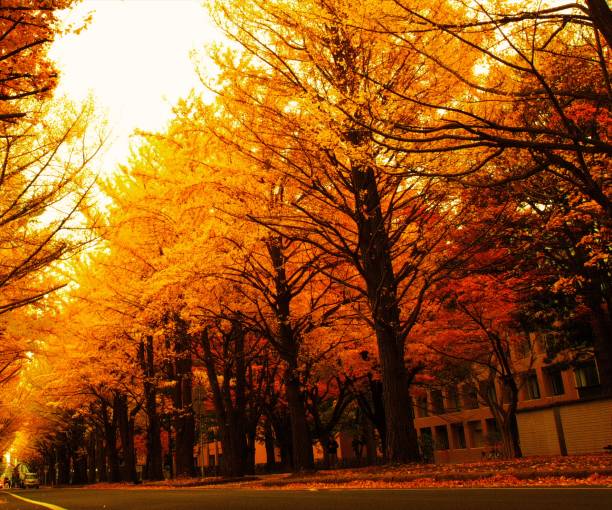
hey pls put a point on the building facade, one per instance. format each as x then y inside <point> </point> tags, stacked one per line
<point>562,410</point>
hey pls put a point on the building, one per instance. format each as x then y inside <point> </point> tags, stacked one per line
<point>562,410</point>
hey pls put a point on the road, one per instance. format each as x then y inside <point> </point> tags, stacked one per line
<point>339,499</point>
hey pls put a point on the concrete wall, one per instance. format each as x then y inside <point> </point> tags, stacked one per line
<point>587,426</point>
<point>538,433</point>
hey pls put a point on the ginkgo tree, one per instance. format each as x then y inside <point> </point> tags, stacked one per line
<point>534,110</point>
<point>355,192</point>
<point>300,96</point>
<point>259,282</point>
<point>27,75</point>
<point>46,149</point>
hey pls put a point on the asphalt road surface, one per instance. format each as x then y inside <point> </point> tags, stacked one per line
<point>337,499</point>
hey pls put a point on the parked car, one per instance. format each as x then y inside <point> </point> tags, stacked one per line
<point>30,480</point>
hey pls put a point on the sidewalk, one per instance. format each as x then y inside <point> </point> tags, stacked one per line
<point>580,470</point>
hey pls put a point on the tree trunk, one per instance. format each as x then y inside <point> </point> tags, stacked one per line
<point>288,343</point>
<point>92,457</point>
<point>169,459</point>
<point>400,432</point>
<point>154,463</point>
<point>126,435</point>
<point>269,443</point>
<point>79,464</point>
<point>101,465</point>
<point>229,405</point>
<point>373,408</point>
<point>237,406</point>
<point>184,422</point>
<point>63,464</point>
<point>233,440</point>
<point>52,475</point>
<point>251,434</point>
<point>370,442</point>
<point>300,434</point>
<point>510,439</point>
<point>602,18</point>
<point>379,422</point>
<point>504,415</point>
<point>282,432</point>
<point>376,262</point>
<point>515,436</point>
<point>185,440</point>
<point>110,436</point>
<point>324,442</point>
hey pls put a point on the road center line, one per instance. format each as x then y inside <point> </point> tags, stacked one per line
<point>50,506</point>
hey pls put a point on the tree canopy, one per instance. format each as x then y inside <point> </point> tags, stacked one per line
<point>380,196</point>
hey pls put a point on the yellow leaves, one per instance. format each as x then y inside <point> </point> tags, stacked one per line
<point>327,138</point>
<point>568,285</point>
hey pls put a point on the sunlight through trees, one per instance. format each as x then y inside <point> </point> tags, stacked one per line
<point>384,200</point>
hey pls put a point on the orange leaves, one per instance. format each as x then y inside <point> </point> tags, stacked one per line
<point>26,73</point>
<point>568,285</point>
<point>591,119</point>
<point>44,183</point>
<point>336,199</point>
<point>582,470</point>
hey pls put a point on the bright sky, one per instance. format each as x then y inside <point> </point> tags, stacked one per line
<point>134,57</point>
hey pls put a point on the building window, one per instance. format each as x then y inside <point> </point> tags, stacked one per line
<point>586,375</point>
<point>524,347</point>
<point>426,434</point>
<point>493,436</point>
<point>458,433</point>
<point>437,402</point>
<point>532,388</point>
<point>476,435</point>
<point>427,444</point>
<point>470,397</point>
<point>487,391</point>
<point>506,392</point>
<point>555,381</point>
<point>452,397</point>
<point>421,407</point>
<point>441,437</point>
<point>587,380</point>
<point>553,344</point>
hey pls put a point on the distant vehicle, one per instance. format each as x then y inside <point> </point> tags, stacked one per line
<point>30,480</point>
<point>22,478</point>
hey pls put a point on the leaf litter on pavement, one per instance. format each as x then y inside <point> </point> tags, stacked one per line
<point>557,471</point>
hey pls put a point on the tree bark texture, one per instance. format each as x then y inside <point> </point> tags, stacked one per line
<point>154,460</point>
<point>288,343</point>
<point>184,422</point>
<point>376,262</point>
<point>303,458</point>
